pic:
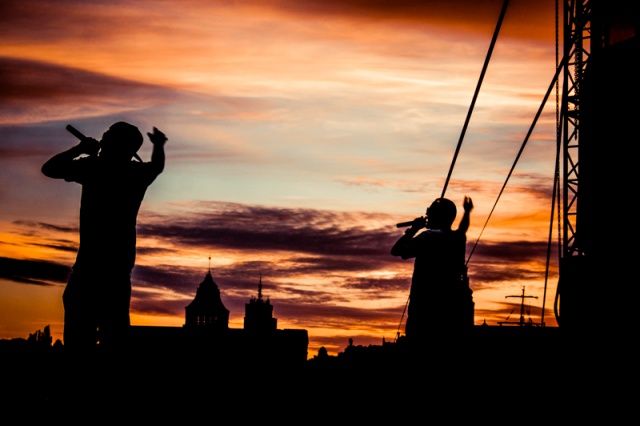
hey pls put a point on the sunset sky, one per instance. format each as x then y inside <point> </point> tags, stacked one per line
<point>300,133</point>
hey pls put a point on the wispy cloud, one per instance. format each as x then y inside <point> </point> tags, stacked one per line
<point>299,134</point>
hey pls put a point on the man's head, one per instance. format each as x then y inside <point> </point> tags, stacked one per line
<point>441,214</point>
<point>121,141</point>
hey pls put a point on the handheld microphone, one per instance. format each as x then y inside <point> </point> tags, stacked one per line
<point>411,222</point>
<point>78,134</point>
<point>404,224</point>
<point>75,132</point>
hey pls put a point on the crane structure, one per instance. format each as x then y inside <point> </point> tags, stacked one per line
<point>598,114</point>
<point>576,49</point>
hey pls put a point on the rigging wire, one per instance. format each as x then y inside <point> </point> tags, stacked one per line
<point>475,95</point>
<point>403,312</point>
<point>560,240</point>
<point>550,240</point>
<point>556,180</point>
<point>524,143</point>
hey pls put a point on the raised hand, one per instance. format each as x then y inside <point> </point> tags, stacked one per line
<point>418,223</point>
<point>157,137</point>
<point>467,204</point>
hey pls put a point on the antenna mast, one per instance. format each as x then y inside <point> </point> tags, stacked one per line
<point>521,296</point>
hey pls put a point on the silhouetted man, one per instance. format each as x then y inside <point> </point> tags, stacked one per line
<point>98,294</point>
<point>440,304</point>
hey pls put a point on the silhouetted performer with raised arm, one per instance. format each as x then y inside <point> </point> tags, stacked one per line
<point>98,294</point>
<point>440,304</point>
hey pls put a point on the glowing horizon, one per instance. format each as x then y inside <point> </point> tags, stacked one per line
<point>299,135</point>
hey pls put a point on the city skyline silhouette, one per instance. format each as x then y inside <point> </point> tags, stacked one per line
<point>314,236</point>
<point>298,171</point>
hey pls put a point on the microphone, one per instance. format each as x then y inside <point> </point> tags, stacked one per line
<point>405,224</point>
<point>75,132</point>
<point>78,134</point>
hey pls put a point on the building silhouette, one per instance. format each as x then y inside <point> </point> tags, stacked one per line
<point>207,309</point>
<point>206,333</point>
<point>259,314</point>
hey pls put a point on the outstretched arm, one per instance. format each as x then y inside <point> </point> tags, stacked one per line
<point>58,165</point>
<point>466,218</point>
<point>158,139</point>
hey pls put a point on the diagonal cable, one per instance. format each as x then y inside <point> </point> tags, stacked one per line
<point>475,95</point>
<point>524,143</point>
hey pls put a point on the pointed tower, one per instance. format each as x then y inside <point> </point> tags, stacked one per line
<point>258,315</point>
<point>207,309</point>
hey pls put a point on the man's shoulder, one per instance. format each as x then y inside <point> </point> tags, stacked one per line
<point>440,235</point>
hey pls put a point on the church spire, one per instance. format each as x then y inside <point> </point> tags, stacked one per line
<point>259,314</point>
<point>207,308</point>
